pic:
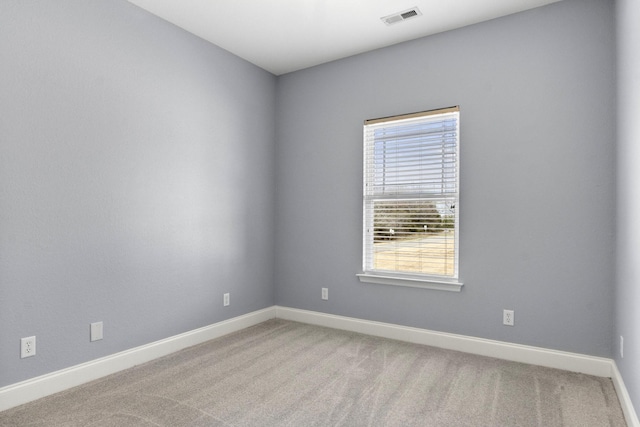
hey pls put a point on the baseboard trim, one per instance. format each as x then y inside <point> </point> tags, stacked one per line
<point>630,414</point>
<point>45,385</point>
<point>573,362</point>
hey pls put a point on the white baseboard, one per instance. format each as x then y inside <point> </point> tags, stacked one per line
<point>573,362</point>
<point>45,385</point>
<point>35,388</point>
<point>566,361</point>
<point>625,400</point>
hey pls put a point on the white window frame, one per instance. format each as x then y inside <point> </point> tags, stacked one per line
<point>373,193</point>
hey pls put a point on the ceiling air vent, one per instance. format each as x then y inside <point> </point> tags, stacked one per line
<point>401,16</point>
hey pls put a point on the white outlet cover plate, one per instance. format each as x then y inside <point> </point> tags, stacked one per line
<point>508,317</point>
<point>27,347</point>
<point>621,347</point>
<point>96,331</point>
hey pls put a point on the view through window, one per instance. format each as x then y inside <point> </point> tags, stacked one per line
<point>411,203</point>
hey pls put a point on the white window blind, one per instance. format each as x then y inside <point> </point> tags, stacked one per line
<point>411,202</point>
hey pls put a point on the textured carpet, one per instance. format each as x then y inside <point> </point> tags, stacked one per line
<point>282,373</point>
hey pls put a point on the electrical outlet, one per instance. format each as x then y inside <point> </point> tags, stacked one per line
<point>225,300</point>
<point>508,317</point>
<point>621,347</point>
<point>325,293</point>
<point>96,331</point>
<point>27,347</point>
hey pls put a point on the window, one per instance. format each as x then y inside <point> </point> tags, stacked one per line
<point>411,202</point>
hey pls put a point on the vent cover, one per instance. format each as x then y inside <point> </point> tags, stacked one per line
<point>401,16</point>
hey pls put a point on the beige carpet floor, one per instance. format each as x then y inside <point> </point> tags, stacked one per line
<point>282,373</point>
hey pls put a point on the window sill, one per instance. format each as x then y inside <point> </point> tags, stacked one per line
<point>412,282</point>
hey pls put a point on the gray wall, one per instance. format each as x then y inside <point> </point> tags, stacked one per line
<point>537,97</point>
<point>628,250</point>
<point>136,179</point>
<point>138,166</point>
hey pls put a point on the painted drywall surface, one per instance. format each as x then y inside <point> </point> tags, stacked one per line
<point>536,92</point>
<point>628,197</point>
<point>136,171</point>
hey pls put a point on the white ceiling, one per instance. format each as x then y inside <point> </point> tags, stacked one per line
<point>288,35</point>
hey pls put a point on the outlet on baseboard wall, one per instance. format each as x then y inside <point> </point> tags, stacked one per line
<point>27,347</point>
<point>95,331</point>
<point>325,293</point>
<point>621,347</point>
<point>508,317</point>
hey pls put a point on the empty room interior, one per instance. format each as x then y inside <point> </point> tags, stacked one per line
<point>172,175</point>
